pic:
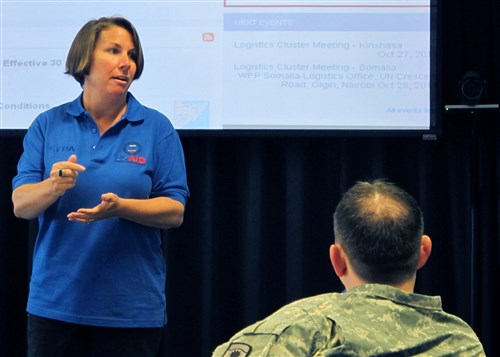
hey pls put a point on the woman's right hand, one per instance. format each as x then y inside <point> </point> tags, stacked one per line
<point>30,200</point>
<point>64,174</point>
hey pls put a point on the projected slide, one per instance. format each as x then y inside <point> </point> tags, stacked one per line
<point>236,64</point>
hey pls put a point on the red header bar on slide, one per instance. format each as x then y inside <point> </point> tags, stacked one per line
<point>326,3</point>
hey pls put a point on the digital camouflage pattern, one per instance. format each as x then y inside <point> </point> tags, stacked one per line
<point>370,320</point>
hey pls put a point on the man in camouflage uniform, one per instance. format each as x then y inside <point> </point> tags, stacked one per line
<point>379,246</point>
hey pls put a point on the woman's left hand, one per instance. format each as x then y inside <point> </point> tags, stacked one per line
<point>107,208</point>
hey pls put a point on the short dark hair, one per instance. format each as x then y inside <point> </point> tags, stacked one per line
<point>380,227</point>
<point>83,46</point>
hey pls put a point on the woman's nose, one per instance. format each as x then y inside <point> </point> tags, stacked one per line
<point>125,61</point>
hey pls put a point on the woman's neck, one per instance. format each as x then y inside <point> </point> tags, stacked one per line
<point>105,113</point>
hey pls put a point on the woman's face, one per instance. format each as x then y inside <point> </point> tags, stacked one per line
<point>113,65</point>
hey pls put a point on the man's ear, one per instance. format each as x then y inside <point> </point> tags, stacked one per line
<point>425,251</point>
<point>338,259</point>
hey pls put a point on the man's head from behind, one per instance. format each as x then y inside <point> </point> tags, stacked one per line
<point>378,236</point>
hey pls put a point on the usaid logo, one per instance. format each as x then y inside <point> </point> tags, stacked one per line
<point>131,154</point>
<point>132,148</point>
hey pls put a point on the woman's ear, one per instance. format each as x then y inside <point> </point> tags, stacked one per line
<point>425,251</point>
<point>338,259</point>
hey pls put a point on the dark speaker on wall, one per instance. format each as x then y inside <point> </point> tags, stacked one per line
<point>472,89</point>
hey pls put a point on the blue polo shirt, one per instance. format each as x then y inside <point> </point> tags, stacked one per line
<point>111,272</point>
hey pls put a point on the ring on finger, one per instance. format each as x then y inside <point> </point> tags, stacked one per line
<point>61,173</point>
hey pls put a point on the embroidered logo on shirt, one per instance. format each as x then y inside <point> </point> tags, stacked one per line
<point>237,349</point>
<point>132,148</point>
<point>131,154</point>
<point>62,148</point>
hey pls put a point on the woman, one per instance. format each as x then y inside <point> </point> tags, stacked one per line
<point>103,174</point>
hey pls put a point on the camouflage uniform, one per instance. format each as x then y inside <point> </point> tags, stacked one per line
<point>370,320</point>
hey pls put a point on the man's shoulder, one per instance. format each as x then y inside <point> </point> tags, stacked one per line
<point>310,307</point>
<point>292,330</point>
